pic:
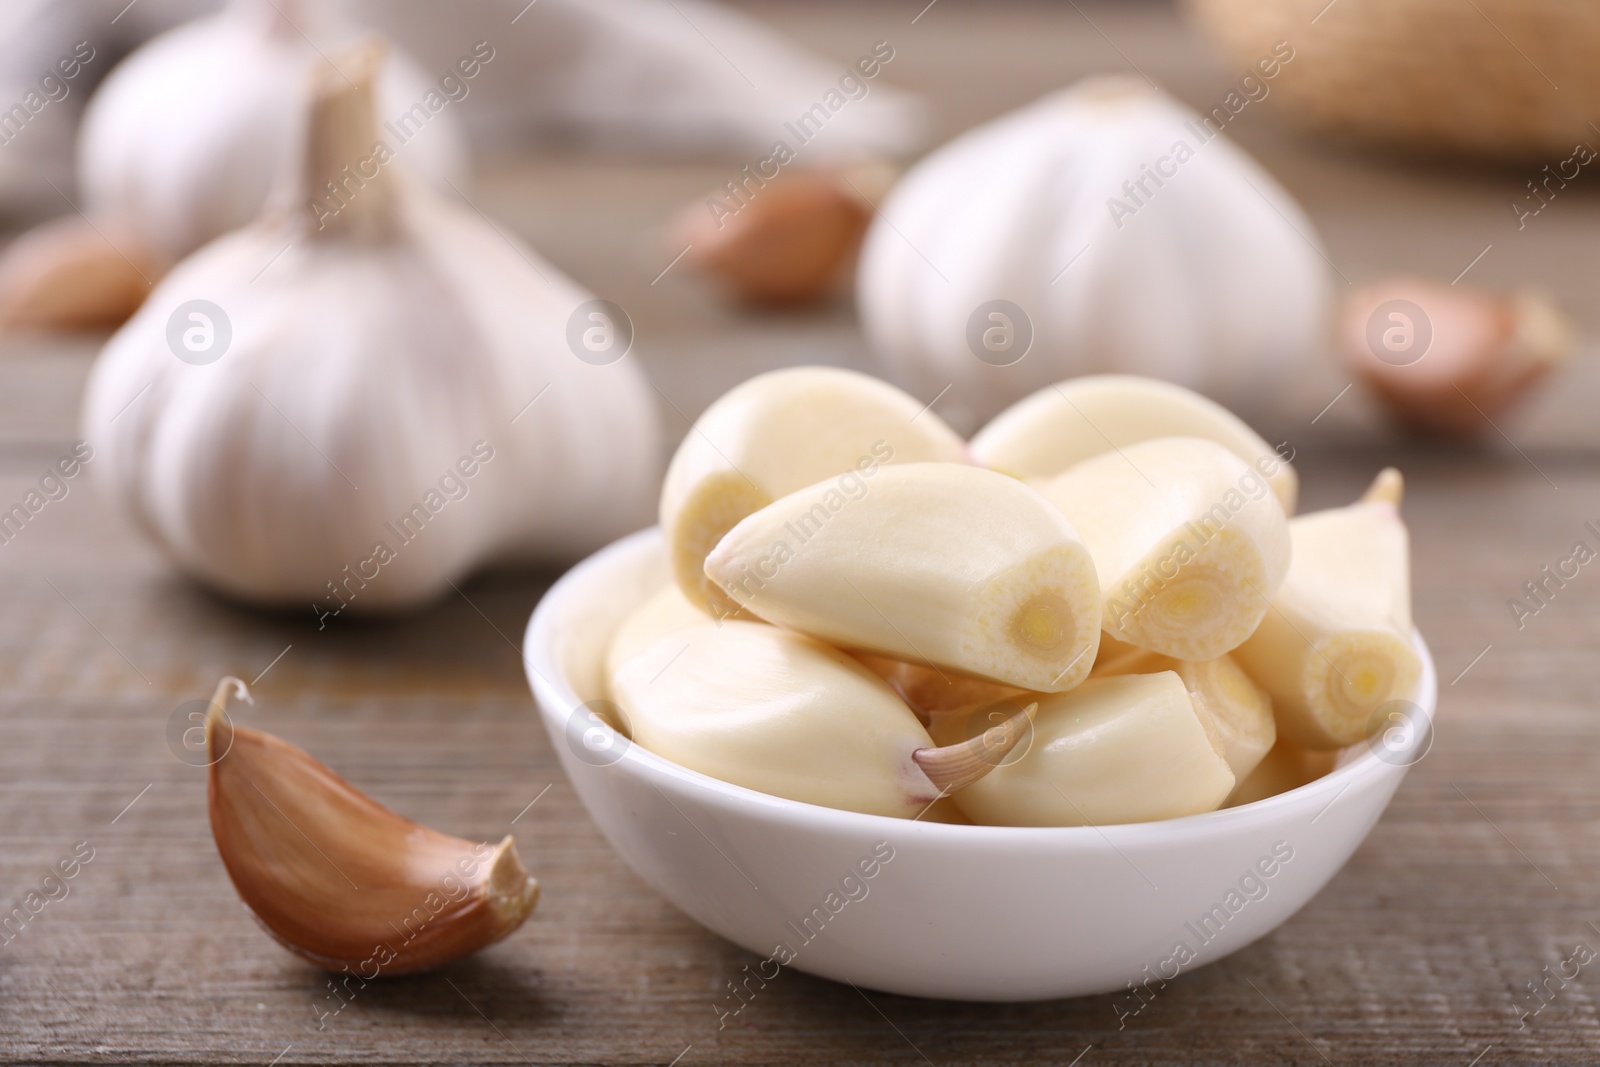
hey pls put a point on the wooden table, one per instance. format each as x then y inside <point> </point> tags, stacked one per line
<point>1480,875</point>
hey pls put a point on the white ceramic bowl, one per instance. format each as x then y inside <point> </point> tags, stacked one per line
<point>969,912</point>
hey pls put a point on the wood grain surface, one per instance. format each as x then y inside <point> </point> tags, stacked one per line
<point>1481,874</point>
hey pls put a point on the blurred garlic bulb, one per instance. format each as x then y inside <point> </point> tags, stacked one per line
<point>1103,228</point>
<point>345,402</point>
<point>185,137</point>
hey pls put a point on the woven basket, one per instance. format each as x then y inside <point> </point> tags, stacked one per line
<point>1512,80</point>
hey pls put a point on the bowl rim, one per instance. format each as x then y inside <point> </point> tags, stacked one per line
<point>557,700</point>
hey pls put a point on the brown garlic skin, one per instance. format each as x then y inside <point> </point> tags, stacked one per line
<point>793,241</point>
<point>66,275</point>
<point>1486,351</point>
<point>337,878</point>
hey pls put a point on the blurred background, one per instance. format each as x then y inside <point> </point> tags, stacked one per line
<point>1426,151</point>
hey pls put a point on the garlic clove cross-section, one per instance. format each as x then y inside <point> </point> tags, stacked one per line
<point>776,433</point>
<point>1131,748</point>
<point>337,878</point>
<point>1189,541</point>
<point>1336,645</point>
<point>947,564</point>
<point>782,713</point>
<point>1063,424</point>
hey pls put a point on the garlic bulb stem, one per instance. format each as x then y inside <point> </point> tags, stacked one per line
<point>342,145</point>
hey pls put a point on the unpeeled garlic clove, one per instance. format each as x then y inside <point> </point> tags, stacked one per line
<point>340,880</point>
<point>68,275</point>
<point>1239,710</point>
<point>1337,643</point>
<point>1064,424</point>
<point>1131,748</point>
<point>943,563</point>
<point>1189,542</point>
<point>792,241</point>
<point>782,713</point>
<point>776,433</point>
<point>1451,360</point>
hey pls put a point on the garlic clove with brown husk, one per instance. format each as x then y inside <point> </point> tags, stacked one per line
<point>788,241</point>
<point>1451,360</point>
<point>385,396</point>
<point>69,274</point>
<point>340,880</point>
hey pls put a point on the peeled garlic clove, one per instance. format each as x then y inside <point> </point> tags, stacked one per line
<point>946,564</point>
<point>337,878</point>
<point>1130,748</point>
<point>1337,643</point>
<point>1189,541</point>
<point>1239,710</point>
<point>67,275</point>
<point>928,689</point>
<point>793,241</point>
<point>1287,766</point>
<point>1063,424</point>
<point>785,714</point>
<point>1451,360</point>
<point>665,612</point>
<point>776,433</point>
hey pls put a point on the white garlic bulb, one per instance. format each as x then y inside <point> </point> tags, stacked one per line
<point>1103,228</point>
<point>355,407</point>
<point>184,138</point>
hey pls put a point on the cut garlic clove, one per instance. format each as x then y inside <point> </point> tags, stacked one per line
<point>1239,710</point>
<point>1287,766</point>
<point>340,880</point>
<point>776,433</point>
<point>665,612</point>
<point>946,564</point>
<point>928,690</point>
<point>1064,424</point>
<point>785,714</point>
<point>1337,644</point>
<point>1121,749</point>
<point>1189,541</point>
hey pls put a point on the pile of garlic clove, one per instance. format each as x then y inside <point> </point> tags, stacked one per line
<point>1101,610</point>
